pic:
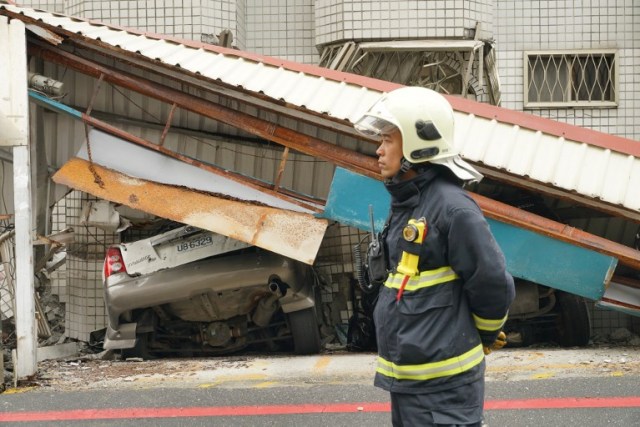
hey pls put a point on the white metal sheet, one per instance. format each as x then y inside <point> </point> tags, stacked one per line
<point>134,160</point>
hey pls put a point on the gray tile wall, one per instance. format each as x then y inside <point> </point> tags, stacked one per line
<point>370,19</point>
<point>573,25</point>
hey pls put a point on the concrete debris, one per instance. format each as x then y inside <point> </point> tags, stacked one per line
<point>57,351</point>
<point>621,335</point>
<point>278,370</point>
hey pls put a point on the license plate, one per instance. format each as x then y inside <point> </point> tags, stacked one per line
<point>198,242</point>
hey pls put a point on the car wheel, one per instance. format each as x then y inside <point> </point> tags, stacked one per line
<point>305,331</point>
<point>573,325</point>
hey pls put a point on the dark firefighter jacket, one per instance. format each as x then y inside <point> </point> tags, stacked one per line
<point>432,338</point>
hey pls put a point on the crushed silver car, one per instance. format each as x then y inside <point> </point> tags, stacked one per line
<point>193,291</point>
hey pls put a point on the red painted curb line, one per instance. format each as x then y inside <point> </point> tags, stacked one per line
<point>228,411</point>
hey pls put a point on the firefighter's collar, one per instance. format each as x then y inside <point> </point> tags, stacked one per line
<point>406,194</point>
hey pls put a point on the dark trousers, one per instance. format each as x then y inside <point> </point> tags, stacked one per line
<point>461,406</point>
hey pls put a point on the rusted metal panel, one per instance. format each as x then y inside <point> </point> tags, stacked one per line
<point>292,234</point>
<point>45,34</point>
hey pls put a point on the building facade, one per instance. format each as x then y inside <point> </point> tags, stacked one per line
<point>572,61</point>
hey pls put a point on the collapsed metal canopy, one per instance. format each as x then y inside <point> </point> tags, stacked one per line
<point>333,99</point>
<point>560,158</point>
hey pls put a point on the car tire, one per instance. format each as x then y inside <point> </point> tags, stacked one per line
<point>573,326</point>
<point>305,331</point>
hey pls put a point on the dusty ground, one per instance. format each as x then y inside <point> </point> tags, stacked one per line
<point>90,372</point>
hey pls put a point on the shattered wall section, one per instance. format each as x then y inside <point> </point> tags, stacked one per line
<point>58,223</point>
<point>85,310</point>
<point>335,264</point>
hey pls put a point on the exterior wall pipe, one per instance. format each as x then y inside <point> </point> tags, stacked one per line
<point>271,131</point>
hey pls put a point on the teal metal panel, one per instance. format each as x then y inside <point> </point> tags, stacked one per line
<point>552,262</point>
<point>350,196</point>
<point>530,256</point>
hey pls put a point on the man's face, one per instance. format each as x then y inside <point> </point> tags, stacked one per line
<point>390,153</point>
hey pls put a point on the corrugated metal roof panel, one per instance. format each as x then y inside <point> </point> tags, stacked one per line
<point>574,166</point>
<point>536,151</point>
<point>314,93</point>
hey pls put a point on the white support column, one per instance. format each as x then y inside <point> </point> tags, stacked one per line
<point>25,303</point>
<point>14,108</point>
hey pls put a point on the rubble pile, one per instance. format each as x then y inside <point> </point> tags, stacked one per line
<point>618,337</point>
<point>54,314</point>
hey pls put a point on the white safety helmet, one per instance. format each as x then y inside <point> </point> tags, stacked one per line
<point>425,120</point>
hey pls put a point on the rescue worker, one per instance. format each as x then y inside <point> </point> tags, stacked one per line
<point>434,327</point>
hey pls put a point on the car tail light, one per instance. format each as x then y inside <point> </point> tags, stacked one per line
<point>113,262</point>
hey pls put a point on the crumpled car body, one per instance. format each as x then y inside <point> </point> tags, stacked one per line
<point>193,291</point>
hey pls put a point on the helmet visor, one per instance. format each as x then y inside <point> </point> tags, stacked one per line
<point>377,121</point>
<point>373,126</point>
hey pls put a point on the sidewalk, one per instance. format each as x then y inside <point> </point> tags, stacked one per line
<point>338,368</point>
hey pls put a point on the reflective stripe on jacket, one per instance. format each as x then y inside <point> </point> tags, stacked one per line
<point>427,371</point>
<point>422,280</point>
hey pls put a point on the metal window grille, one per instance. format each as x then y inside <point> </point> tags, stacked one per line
<point>586,79</point>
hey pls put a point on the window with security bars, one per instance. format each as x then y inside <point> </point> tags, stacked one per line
<point>571,79</point>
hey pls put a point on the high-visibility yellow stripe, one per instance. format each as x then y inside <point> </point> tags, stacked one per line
<point>428,371</point>
<point>490,325</point>
<point>423,280</point>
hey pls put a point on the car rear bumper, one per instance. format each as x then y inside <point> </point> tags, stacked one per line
<point>124,293</point>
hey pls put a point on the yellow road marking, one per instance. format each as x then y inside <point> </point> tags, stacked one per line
<point>18,390</point>
<point>234,378</point>
<point>542,376</point>
<point>321,364</point>
<point>266,384</point>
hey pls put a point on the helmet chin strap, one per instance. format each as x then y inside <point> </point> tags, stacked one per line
<point>405,166</point>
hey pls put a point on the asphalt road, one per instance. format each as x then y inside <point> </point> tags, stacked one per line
<point>588,387</point>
